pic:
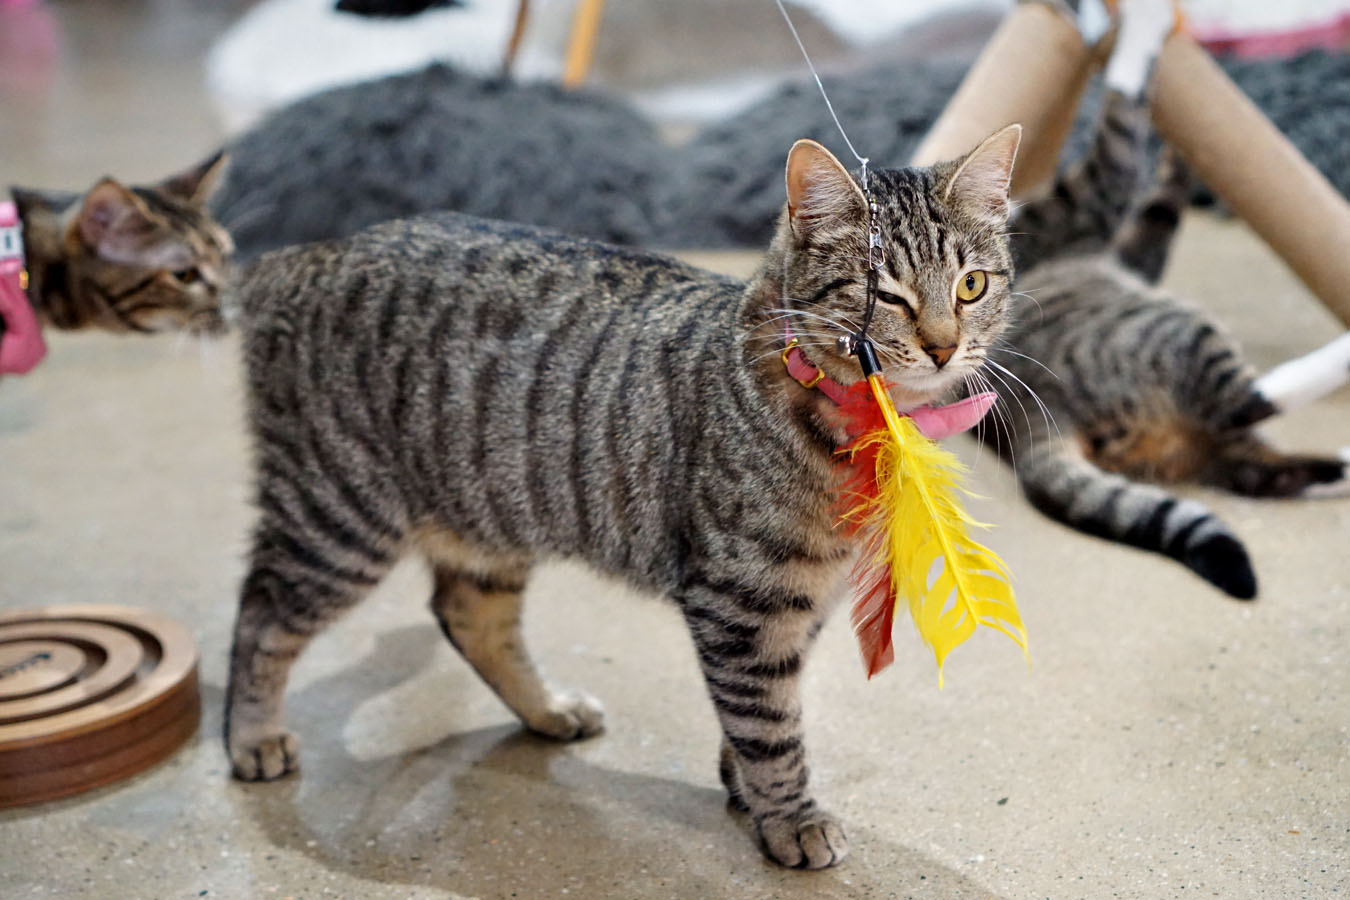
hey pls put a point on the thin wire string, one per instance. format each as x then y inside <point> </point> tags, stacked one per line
<point>873,231</point>
<point>816,75</point>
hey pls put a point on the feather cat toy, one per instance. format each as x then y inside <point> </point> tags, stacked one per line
<point>902,491</point>
<point>902,497</point>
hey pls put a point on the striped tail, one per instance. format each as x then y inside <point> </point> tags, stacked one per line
<point>1072,490</point>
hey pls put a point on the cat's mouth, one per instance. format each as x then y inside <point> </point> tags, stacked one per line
<point>207,323</point>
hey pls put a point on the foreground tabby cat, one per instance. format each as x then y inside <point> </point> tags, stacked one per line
<point>127,259</point>
<point>488,395</point>
<point>1140,386</point>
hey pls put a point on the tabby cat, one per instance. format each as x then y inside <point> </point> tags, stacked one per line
<point>489,395</point>
<point>127,259</point>
<point>1137,386</point>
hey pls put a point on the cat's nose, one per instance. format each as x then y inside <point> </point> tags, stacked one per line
<point>939,355</point>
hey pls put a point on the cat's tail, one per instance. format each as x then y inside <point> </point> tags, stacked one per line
<point>1071,490</point>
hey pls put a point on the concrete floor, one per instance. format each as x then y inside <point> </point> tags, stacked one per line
<point>1169,743</point>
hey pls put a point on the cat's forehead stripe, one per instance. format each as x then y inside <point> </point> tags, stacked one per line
<point>890,284</point>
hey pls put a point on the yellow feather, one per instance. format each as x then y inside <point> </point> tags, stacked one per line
<point>924,533</point>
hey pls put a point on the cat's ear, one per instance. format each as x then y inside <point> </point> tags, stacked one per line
<point>981,182</point>
<point>117,226</point>
<point>197,184</point>
<point>34,202</point>
<point>819,188</point>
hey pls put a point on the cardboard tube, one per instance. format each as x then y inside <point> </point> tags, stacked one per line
<point>1262,177</point>
<point>1033,70</point>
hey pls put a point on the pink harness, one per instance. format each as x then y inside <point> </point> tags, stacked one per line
<point>21,345</point>
<point>936,422</point>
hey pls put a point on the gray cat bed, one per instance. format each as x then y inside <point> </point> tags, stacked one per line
<point>588,163</point>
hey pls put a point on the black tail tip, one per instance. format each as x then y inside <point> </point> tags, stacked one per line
<point>1223,562</point>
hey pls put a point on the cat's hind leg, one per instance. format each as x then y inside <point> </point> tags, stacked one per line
<point>1250,467</point>
<point>477,599</point>
<point>1144,242</point>
<point>293,590</point>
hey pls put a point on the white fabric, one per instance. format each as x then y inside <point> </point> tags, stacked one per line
<point>1303,380</point>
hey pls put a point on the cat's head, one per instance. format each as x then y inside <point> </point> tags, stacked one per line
<point>945,281</point>
<point>142,259</point>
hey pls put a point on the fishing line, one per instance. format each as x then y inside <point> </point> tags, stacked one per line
<point>856,343</point>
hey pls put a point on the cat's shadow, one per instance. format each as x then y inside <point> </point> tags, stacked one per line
<point>497,811</point>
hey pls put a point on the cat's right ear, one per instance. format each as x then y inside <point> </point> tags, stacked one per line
<point>197,184</point>
<point>117,226</point>
<point>982,181</point>
<point>819,189</point>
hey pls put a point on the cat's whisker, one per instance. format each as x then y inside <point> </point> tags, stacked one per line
<point>801,337</point>
<point>209,355</point>
<point>1052,427</point>
<point>1025,415</point>
<point>1045,411</point>
<point>805,341</point>
<point>897,361</point>
<point>1040,309</point>
<point>249,215</point>
<point>784,313</point>
<point>979,430</point>
<point>830,313</point>
<point>1005,349</point>
<point>839,314</point>
<point>1002,420</point>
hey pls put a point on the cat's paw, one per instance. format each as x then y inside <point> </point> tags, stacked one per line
<point>264,758</point>
<point>1144,28</point>
<point>812,839</point>
<point>569,716</point>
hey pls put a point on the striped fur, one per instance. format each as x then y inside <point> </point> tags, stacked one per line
<point>488,395</point>
<point>138,259</point>
<point>1140,386</point>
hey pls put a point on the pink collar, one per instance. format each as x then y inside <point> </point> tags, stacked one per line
<point>808,376</point>
<point>21,344</point>
<point>936,422</point>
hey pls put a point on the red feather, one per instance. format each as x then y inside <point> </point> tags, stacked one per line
<point>873,613</point>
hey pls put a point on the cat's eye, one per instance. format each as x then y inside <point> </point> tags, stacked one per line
<point>894,300</point>
<point>187,276</point>
<point>971,286</point>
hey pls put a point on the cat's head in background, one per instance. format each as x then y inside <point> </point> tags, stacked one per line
<point>944,288</point>
<point>128,259</point>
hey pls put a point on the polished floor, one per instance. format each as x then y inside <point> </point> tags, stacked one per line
<point>1168,743</point>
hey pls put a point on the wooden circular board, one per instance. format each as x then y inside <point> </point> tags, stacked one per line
<point>88,695</point>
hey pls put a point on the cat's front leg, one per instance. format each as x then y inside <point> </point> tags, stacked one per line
<point>752,643</point>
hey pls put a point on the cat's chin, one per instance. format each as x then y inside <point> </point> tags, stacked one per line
<point>910,391</point>
<point>209,324</point>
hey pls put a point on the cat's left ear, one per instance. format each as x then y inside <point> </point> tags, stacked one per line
<point>197,184</point>
<point>36,202</point>
<point>819,188</point>
<point>981,182</point>
<point>117,226</point>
